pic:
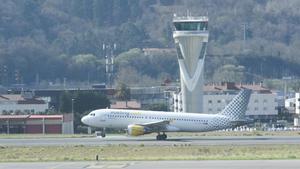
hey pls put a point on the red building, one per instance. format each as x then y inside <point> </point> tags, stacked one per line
<point>34,124</point>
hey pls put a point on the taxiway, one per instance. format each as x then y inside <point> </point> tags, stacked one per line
<point>228,164</point>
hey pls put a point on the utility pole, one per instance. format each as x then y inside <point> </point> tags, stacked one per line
<point>37,80</point>
<point>286,79</point>
<point>72,110</point>
<point>245,25</point>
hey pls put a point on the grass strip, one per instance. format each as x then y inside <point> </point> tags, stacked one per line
<point>141,152</point>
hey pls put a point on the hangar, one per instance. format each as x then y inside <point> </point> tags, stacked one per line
<point>34,124</point>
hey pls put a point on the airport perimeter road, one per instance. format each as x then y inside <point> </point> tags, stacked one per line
<point>150,141</point>
<point>240,164</point>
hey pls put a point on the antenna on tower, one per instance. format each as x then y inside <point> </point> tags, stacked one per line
<point>109,62</point>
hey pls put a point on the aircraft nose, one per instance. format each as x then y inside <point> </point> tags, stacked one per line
<point>84,119</point>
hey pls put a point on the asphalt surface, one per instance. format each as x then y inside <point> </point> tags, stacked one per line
<point>150,141</point>
<point>239,164</point>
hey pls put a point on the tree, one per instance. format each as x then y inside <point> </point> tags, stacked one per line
<point>295,85</point>
<point>88,101</point>
<point>121,11</point>
<point>157,107</point>
<point>65,101</point>
<point>130,36</point>
<point>230,73</point>
<point>83,102</point>
<point>123,92</point>
<point>34,33</point>
<point>99,17</point>
<point>84,67</point>
<point>130,76</point>
<point>136,68</point>
<point>168,35</point>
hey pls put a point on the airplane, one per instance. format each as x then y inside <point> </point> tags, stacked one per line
<point>140,122</point>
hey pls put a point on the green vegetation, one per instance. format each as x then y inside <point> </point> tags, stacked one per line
<point>46,41</point>
<point>83,103</point>
<point>123,92</point>
<point>142,152</point>
<point>157,107</point>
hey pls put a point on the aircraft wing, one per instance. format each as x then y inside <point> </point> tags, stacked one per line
<point>157,125</point>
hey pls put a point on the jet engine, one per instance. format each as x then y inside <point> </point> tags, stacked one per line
<point>137,130</point>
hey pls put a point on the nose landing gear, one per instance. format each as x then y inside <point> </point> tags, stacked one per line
<point>103,133</point>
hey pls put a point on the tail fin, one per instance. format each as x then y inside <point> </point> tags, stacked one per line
<point>237,107</point>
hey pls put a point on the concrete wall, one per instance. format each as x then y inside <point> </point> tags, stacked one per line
<point>67,128</point>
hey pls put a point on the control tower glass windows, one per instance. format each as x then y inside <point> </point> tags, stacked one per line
<point>191,26</point>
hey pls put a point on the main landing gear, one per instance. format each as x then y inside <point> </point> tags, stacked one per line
<point>161,136</point>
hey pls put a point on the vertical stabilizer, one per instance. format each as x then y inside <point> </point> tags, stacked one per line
<point>237,107</point>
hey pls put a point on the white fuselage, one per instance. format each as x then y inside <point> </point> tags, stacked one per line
<point>187,122</point>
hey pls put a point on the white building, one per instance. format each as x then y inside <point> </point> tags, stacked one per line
<point>289,104</point>
<point>22,104</point>
<point>262,104</point>
<point>297,110</point>
<point>293,105</point>
<point>177,103</point>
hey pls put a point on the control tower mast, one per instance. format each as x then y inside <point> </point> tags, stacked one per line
<point>191,37</point>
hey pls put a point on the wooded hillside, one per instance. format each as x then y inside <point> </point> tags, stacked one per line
<point>49,40</point>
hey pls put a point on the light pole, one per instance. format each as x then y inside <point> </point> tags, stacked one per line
<point>72,111</point>
<point>286,79</point>
<point>245,27</point>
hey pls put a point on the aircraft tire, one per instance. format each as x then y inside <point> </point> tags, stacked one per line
<point>161,137</point>
<point>103,134</point>
<point>164,136</point>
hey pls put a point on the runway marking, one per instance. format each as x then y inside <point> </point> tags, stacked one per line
<point>95,167</point>
<point>108,165</point>
<point>61,166</point>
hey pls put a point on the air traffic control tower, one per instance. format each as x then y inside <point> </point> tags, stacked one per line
<point>191,37</point>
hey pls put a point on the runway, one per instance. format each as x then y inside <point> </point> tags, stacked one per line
<point>245,164</point>
<point>151,141</point>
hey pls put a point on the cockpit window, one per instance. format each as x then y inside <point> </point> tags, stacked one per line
<point>92,114</point>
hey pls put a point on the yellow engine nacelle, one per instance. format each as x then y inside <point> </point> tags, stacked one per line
<point>137,130</point>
